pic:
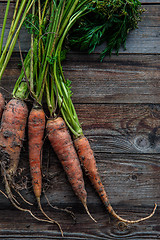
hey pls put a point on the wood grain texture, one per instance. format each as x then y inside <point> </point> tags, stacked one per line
<point>145,39</point>
<point>119,79</point>
<point>125,78</point>
<point>118,104</point>
<point>131,178</point>
<point>121,128</point>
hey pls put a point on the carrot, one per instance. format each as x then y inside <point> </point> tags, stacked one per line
<point>36,127</point>
<point>61,87</point>
<point>12,134</point>
<point>62,144</point>
<point>87,159</point>
<point>2,104</point>
<point>11,137</point>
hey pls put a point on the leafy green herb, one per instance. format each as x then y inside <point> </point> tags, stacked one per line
<point>68,87</point>
<point>51,60</point>
<point>31,23</point>
<point>109,21</point>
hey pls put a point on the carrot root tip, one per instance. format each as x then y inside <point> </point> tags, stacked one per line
<point>86,208</point>
<point>139,220</point>
<point>50,219</point>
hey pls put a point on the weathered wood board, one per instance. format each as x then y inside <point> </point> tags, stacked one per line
<point>118,104</point>
<point>144,40</point>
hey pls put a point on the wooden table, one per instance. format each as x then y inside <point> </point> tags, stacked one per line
<point>118,104</point>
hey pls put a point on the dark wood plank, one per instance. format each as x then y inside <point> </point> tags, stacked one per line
<point>150,1</point>
<point>102,233</point>
<point>121,128</point>
<point>119,79</point>
<point>131,183</point>
<point>10,12</point>
<point>145,39</point>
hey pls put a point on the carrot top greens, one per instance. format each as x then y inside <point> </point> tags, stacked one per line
<point>20,11</point>
<point>104,20</point>
<point>109,21</point>
<point>58,25</point>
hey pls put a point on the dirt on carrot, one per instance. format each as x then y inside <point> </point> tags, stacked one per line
<point>62,144</point>
<point>36,127</point>
<point>12,133</point>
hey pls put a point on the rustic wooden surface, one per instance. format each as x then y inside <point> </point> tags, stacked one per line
<point>118,103</point>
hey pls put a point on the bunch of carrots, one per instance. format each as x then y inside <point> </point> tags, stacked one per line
<point>42,79</point>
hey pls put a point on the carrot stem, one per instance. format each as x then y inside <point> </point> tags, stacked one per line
<point>32,53</point>
<point>10,44</point>
<point>4,25</point>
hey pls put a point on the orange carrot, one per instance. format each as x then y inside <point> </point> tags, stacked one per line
<point>12,134</point>
<point>62,144</point>
<point>11,137</point>
<point>36,126</point>
<point>2,104</point>
<point>87,159</point>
